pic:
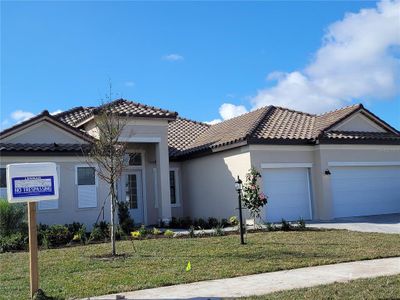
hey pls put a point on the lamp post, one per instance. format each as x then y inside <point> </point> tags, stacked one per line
<point>238,187</point>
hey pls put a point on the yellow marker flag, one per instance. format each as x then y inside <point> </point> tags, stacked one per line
<point>188,267</point>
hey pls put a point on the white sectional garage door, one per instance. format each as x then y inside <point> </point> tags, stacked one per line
<point>288,192</point>
<point>365,190</point>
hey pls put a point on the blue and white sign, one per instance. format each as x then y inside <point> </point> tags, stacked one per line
<point>32,182</point>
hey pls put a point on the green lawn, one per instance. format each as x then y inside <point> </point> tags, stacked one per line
<point>73,272</point>
<point>385,287</point>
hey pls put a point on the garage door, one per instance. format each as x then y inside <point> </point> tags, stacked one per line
<point>288,192</point>
<point>363,191</point>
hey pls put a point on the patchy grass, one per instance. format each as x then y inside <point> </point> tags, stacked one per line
<point>385,287</point>
<point>86,271</point>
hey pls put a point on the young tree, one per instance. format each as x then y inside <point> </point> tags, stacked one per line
<point>253,199</point>
<point>108,154</point>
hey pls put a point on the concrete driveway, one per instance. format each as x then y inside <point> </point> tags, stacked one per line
<point>381,223</point>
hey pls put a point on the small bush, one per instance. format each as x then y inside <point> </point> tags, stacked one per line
<point>136,234</point>
<point>144,231</point>
<point>12,218</point>
<point>174,223</point>
<point>218,231</point>
<point>169,233</point>
<point>224,223</point>
<point>301,224</point>
<point>191,232</point>
<point>286,226</point>
<point>185,222</point>
<point>212,222</point>
<point>233,221</point>
<point>156,231</point>
<point>100,232</point>
<point>13,242</point>
<point>125,220</point>
<point>202,223</point>
<point>271,227</point>
<point>58,235</point>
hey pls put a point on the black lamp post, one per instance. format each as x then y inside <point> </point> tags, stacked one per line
<point>238,187</point>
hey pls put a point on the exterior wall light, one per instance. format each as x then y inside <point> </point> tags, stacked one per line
<point>327,172</point>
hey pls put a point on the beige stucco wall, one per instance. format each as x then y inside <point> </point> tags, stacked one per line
<point>43,132</point>
<point>359,122</point>
<point>208,183</point>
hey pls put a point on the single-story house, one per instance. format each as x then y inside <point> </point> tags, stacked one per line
<point>337,164</point>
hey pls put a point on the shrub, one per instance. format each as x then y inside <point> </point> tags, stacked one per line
<point>212,222</point>
<point>218,231</point>
<point>13,242</point>
<point>185,222</point>
<point>253,199</point>
<point>57,235</point>
<point>156,231</point>
<point>233,221</point>
<point>301,224</point>
<point>271,226</point>
<point>144,231</point>
<point>286,226</point>
<point>202,223</point>
<point>100,232</point>
<point>174,223</point>
<point>12,218</point>
<point>136,234</point>
<point>224,223</point>
<point>169,233</point>
<point>191,232</point>
<point>125,220</point>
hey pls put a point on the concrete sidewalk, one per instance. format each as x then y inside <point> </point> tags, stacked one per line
<point>260,284</point>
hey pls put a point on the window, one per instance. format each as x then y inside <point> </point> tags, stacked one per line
<point>172,186</point>
<point>86,176</point>
<point>3,181</point>
<point>87,192</point>
<point>131,191</point>
<point>135,159</point>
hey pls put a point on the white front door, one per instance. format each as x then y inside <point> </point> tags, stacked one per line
<point>133,194</point>
<point>362,191</point>
<point>288,192</point>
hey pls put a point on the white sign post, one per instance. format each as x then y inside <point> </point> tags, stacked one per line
<point>32,182</point>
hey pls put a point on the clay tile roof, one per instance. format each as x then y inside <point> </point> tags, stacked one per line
<point>133,109</point>
<point>75,115</point>
<point>285,124</point>
<point>51,147</point>
<point>182,133</point>
<point>358,136</point>
<point>227,132</point>
<point>327,120</point>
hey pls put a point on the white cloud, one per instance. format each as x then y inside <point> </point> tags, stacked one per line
<point>212,122</point>
<point>20,115</point>
<point>358,59</point>
<point>129,83</point>
<point>228,110</point>
<point>56,112</point>
<point>173,57</point>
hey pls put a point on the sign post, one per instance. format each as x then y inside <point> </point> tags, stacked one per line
<point>30,183</point>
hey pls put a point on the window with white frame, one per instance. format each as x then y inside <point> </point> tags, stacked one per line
<point>135,159</point>
<point>3,183</point>
<point>173,187</point>
<point>50,204</point>
<point>86,182</point>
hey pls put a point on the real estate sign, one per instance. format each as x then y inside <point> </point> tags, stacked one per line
<point>32,182</point>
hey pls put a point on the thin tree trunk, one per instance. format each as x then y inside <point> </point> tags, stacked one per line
<point>113,251</point>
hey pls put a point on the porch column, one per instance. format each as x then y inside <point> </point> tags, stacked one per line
<point>162,161</point>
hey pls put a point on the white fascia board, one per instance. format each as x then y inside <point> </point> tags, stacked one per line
<point>141,139</point>
<point>285,165</point>
<point>362,163</point>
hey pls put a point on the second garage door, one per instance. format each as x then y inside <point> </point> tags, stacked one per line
<point>363,190</point>
<point>288,191</point>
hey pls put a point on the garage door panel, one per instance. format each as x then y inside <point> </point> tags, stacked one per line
<point>359,191</point>
<point>288,194</point>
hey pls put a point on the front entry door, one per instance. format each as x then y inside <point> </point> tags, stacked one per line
<point>132,193</point>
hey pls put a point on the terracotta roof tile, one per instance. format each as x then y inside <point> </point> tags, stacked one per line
<point>75,115</point>
<point>182,133</point>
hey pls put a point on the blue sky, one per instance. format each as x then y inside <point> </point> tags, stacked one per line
<point>208,61</point>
